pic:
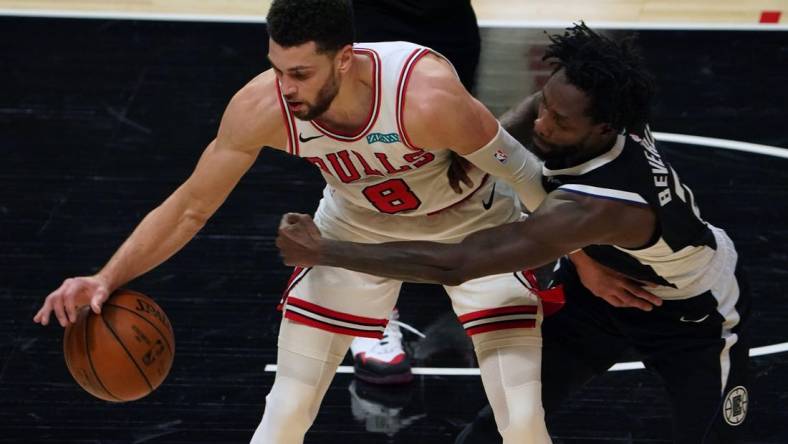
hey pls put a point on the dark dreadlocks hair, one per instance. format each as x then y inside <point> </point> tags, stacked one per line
<point>610,73</point>
<point>328,23</point>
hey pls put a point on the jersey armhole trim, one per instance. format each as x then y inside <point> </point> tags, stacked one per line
<point>289,119</point>
<point>402,86</point>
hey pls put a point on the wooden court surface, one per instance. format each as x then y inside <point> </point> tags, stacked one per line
<point>694,11</point>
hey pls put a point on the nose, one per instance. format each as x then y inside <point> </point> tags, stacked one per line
<point>542,127</point>
<point>288,88</point>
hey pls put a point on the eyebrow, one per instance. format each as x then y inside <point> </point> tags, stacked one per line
<point>295,68</point>
<point>559,116</point>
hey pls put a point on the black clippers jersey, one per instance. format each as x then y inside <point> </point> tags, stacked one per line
<point>686,254</point>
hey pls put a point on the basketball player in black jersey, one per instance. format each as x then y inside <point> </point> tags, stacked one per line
<point>613,194</point>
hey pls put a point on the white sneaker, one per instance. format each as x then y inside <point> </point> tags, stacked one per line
<point>383,361</point>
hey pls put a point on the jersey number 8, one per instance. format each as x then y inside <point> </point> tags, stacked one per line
<point>392,196</point>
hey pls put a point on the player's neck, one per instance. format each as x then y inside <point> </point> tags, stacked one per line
<point>349,110</point>
<point>602,146</point>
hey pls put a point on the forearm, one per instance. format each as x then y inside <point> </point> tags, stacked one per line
<point>428,262</point>
<point>506,158</point>
<point>501,249</point>
<point>162,233</point>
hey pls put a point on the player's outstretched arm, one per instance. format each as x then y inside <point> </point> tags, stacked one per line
<point>564,223</point>
<point>166,229</point>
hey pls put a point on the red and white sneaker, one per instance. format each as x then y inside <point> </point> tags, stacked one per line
<point>383,361</point>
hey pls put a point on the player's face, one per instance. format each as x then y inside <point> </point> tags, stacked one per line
<point>309,80</point>
<point>563,129</point>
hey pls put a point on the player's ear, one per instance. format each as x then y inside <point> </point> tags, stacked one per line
<point>344,58</point>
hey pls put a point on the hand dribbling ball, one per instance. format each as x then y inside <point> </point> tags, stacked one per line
<point>124,353</point>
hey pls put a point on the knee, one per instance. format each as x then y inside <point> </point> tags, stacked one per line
<point>285,407</point>
<point>287,415</point>
<point>526,423</point>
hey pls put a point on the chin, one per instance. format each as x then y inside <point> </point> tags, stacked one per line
<point>539,152</point>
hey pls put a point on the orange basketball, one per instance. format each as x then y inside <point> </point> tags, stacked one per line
<point>124,353</point>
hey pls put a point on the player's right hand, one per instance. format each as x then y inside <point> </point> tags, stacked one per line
<point>73,294</point>
<point>458,173</point>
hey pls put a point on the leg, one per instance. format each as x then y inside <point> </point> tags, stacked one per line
<point>502,316</point>
<point>510,362</point>
<point>702,411</point>
<point>704,364</point>
<point>580,341</point>
<point>306,363</point>
<point>324,308</point>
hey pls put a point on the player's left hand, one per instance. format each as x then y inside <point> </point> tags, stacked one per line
<point>617,289</point>
<point>299,240</point>
<point>458,173</point>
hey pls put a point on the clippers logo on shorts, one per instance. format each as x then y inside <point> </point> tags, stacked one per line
<point>500,156</point>
<point>735,406</point>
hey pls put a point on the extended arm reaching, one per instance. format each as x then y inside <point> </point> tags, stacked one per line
<point>564,223</point>
<point>170,226</point>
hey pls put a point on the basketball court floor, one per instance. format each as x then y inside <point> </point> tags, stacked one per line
<point>101,118</point>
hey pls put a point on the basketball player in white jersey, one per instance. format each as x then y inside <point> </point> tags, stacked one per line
<point>379,120</point>
<point>614,194</point>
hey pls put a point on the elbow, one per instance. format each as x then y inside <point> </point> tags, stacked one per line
<point>193,220</point>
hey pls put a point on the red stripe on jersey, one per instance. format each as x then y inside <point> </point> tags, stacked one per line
<point>335,314</point>
<point>494,326</point>
<point>374,106</point>
<point>289,121</point>
<point>402,87</point>
<point>332,328</point>
<point>514,309</point>
<point>531,278</point>
<point>288,287</point>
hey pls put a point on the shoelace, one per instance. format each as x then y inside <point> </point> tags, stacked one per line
<point>406,327</point>
<point>392,337</point>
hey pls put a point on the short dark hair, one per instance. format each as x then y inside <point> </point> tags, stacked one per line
<point>610,73</point>
<point>328,23</point>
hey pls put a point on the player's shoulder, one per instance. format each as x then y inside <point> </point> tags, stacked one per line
<point>257,100</point>
<point>254,117</point>
<point>433,87</point>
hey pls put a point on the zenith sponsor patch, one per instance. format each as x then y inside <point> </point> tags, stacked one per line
<point>383,138</point>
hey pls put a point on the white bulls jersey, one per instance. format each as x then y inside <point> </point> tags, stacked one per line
<point>379,168</point>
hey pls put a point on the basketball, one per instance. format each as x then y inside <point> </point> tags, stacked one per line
<point>124,353</point>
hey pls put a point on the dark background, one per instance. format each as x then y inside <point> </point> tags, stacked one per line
<point>101,120</point>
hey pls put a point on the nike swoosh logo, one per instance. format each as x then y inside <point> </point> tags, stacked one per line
<point>697,321</point>
<point>303,139</point>
<point>488,204</point>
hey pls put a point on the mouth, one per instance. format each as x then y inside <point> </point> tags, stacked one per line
<point>295,105</point>
<point>539,143</point>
